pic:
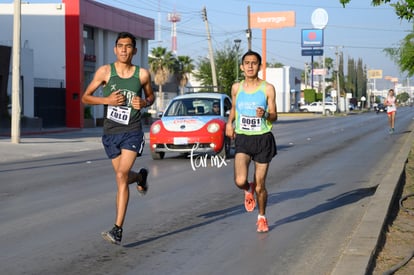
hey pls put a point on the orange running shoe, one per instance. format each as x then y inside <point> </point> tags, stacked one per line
<point>262,225</point>
<point>249,201</point>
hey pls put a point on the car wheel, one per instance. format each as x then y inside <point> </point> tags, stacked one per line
<point>328,112</point>
<point>305,110</point>
<point>157,156</point>
<point>225,151</point>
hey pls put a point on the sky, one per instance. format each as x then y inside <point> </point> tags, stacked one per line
<point>359,31</point>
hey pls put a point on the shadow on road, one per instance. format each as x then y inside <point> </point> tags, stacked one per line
<point>274,198</point>
<point>335,202</point>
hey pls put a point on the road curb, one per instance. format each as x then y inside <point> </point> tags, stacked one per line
<point>359,254</point>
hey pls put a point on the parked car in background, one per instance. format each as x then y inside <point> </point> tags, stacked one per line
<point>316,107</point>
<point>189,124</point>
<point>380,108</point>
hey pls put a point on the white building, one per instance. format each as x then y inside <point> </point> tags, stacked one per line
<point>287,82</point>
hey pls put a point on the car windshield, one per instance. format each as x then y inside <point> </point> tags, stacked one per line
<point>193,107</point>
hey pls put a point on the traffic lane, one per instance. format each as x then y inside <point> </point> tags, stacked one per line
<point>166,233</point>
<point>60,194</point>
<point>162,199</point>
<point>355,181</point>
<point>225,251</point>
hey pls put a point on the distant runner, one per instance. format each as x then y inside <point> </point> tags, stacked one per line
<point>391,103</point>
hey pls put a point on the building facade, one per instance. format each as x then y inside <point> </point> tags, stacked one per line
<point>69,40</point>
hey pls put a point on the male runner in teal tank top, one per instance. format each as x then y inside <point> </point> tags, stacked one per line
<point>123,138</point>
<point>253,111</point>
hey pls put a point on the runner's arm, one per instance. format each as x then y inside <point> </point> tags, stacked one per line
<point>100,78</point>
<point>229,124</point>
<point>271,102</point>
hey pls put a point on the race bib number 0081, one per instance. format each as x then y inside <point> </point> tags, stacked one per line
<point>249,123</point>
<point>119,114</point>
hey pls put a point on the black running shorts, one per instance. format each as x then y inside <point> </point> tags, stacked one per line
<point>261,148</point>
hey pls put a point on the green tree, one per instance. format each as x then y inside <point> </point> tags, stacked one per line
<point>329,65</point>
<point>403,97</point>
<point>356,79</point>
<point>225,60</point>
<point>161,65</point>
<point>403,55</point>
<point>274,64</point>
<point>403,8</point>
<point>184,67</point>
<point>361,80</point>
<point>309,95</point>
<point>350,84</point>
<point>341,75</point>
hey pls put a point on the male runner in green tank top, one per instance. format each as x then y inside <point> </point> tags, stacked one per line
<point>253,111</point>
<point>123,137</point>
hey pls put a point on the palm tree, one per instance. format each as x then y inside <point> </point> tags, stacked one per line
<point>184,67</point>
<point>161,64</point>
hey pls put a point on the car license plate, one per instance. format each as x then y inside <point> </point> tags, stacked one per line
<point>180,140</point>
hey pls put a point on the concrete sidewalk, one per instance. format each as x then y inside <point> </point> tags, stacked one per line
<point>38,143</point>
<point>359,254</point>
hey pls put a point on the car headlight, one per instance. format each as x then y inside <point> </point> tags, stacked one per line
<point>156,129</point>
<point>213,127</point>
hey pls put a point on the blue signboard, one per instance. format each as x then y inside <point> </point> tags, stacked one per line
<point>310,52</point>
<point>312,38</point>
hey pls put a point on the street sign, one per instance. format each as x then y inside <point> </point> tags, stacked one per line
<point>309,52</point>
<point>319,71</point>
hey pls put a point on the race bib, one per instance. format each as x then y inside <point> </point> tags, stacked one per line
<point>250,123</point>
<point>119,114</point>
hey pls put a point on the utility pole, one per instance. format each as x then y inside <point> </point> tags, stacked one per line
<point>210,48</point>
<point>306,76</point>
<point>338,88</point>
<point>249,30</point>
<point>237,46</point>
<point>15,125</point>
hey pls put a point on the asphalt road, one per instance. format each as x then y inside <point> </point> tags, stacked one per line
<point>192,221</point>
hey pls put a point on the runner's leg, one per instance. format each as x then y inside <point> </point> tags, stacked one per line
<point>261,191</point>
<point>241,170</point>
<point>122,166</point>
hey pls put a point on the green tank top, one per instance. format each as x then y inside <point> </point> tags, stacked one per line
<point>129,87</point>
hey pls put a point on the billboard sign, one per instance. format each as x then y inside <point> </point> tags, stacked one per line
<point>312,38</point>
<point>374,74</point>
<point>319,71</point>
<point>272,20</point>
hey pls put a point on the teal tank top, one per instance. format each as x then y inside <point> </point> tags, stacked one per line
<point>246,121</point>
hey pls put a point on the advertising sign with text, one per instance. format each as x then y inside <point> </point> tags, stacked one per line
<point>374,74</point>
<point>312,38</point>
<point>272,20</point>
